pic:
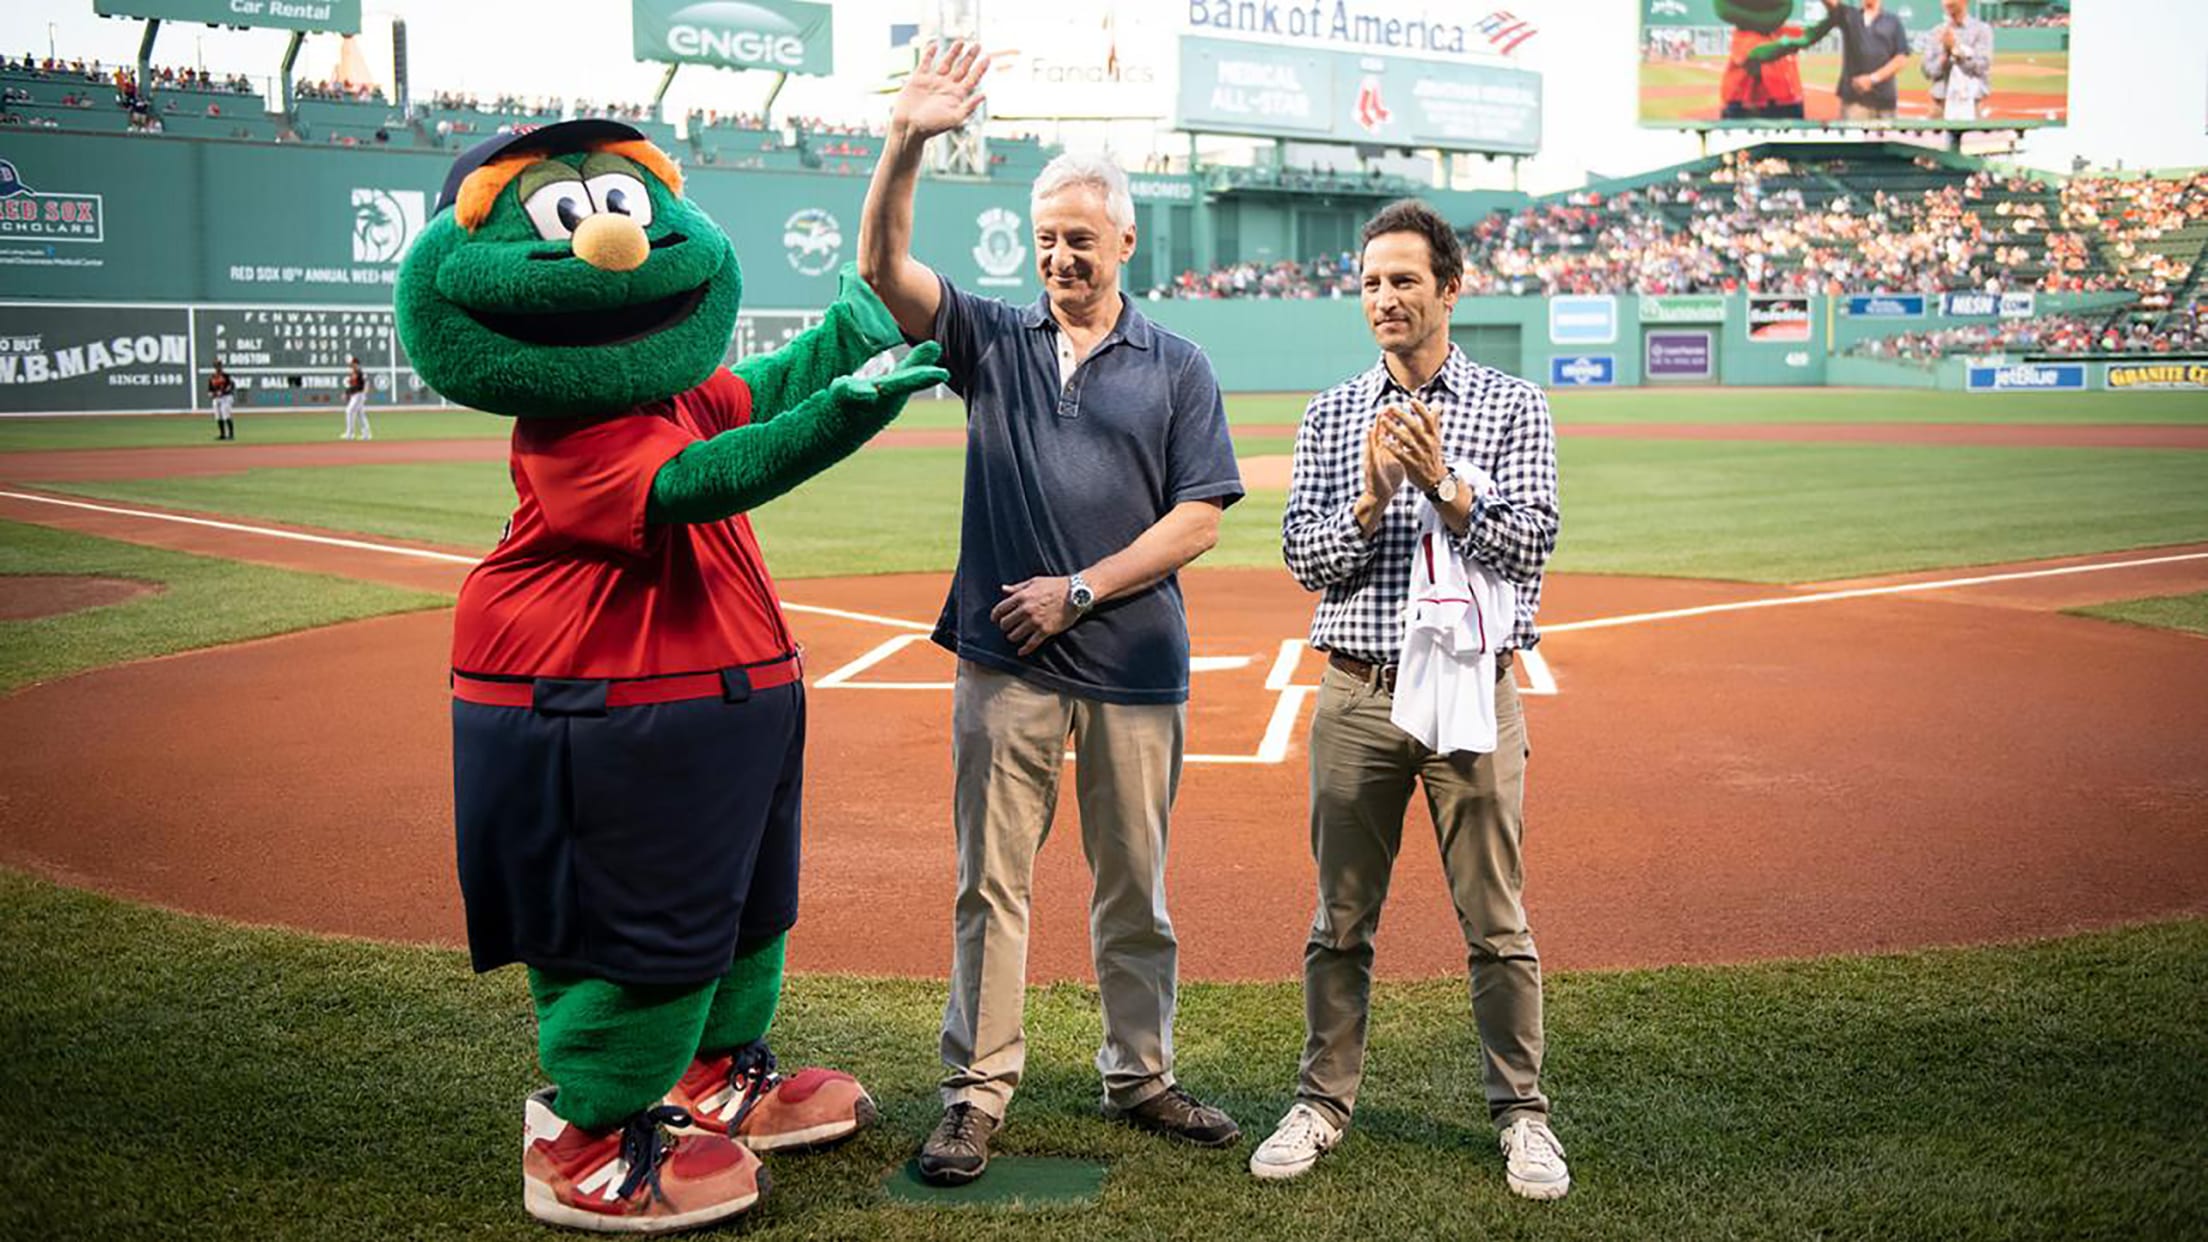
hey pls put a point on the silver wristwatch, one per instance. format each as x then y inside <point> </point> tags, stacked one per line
<point>1445,491</point>
<point>1080,594</point>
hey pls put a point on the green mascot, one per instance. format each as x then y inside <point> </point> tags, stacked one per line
<point>1762,81</point>
<point>629,710</point>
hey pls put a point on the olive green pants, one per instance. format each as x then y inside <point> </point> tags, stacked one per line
<point>1363,769</point>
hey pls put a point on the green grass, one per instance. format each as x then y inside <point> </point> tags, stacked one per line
<point>174,1077</point>
<point>22,435</point>
<point>2168,612</point>
<point>1857,405</point>
<point>1808,512</point>
<point>203,602</point>
<point>1767,512</point>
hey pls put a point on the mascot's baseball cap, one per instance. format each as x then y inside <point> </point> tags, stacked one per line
<point>557,137</point>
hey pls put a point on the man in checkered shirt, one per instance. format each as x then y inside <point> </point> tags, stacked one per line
<point>1425,427</point>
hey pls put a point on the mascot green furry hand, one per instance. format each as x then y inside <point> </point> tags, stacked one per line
<point>629,714</point>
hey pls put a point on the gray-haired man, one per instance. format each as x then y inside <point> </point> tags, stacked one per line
<point>1097,464</point>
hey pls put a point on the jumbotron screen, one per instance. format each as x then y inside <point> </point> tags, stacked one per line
<point>1931,64</point>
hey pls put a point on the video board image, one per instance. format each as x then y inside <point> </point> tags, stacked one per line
<point>1932,64</point>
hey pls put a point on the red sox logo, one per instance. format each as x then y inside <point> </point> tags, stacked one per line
<point>1371,112</point>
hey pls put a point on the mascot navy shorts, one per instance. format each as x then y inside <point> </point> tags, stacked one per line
<point>636,844</point>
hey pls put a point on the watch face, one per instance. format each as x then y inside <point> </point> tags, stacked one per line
<point>1446,490</point>
<point>1081,596</point>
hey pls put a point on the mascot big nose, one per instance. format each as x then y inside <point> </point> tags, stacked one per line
<point>628,705</point>
<point>612,242</point>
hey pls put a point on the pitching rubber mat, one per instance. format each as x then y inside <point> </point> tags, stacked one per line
<point>1015,1182</point>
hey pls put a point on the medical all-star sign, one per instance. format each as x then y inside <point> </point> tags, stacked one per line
<point>784,36</point>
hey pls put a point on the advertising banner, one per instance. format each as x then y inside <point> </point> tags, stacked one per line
<point>1590,319</point>
<point>1972,75</point>
<point>1886,305</point>
<point>786,35</point>
<point>1683,308</point>
<point>83,359</point>
<point>1687,355</point>
<point>2026,377</point>
<point>340,16</point>
<point>1583,371</point>
<point>1778,318</point>
<point>1106,62</point>
<point>1986,305</point>
<point>2142,376</point>
<point>1236,87</point>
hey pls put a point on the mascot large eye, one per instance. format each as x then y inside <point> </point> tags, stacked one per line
<point>557,208</point>
<point>622,193</point>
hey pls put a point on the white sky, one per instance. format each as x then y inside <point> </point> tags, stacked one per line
<point>2139,85</point>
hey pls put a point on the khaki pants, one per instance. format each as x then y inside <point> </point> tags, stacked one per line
<point>1864,112</point>
<point>1362,771</point>
<point>1008,743</point>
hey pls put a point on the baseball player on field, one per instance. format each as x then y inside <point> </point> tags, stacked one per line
<point>356,403</point>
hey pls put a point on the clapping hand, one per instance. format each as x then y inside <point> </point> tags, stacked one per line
<point>1413,439</point>
<point>1383,472</point>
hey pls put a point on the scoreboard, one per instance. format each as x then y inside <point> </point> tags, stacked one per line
<point>292,355</point>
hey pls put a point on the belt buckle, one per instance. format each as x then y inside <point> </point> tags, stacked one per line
<point>1383,678</point>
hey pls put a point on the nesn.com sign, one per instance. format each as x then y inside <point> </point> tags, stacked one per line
<point>2027,377</point>
<point>1583,371</point>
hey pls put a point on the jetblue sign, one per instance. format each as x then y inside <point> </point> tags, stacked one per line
<point>1583,371</point>
<point>1886,306</point>
<point>2027,377</point>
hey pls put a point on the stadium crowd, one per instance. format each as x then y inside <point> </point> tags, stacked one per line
<point>337,92</point>
<point>2044,334</point>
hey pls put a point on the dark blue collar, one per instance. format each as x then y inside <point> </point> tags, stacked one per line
<point>1133,327</point>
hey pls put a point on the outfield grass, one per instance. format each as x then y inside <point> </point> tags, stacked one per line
<point>173,1077</point>
<point>1767,512</point>
<point>1809,512</point>
<point>203,602</point>
<point>1864,405</point>
<point>1636,405</point>
<point>2168,612</point>
<point>21,435</point>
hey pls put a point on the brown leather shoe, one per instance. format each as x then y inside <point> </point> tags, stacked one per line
<point>958,1150</point>
<point>1177,1114</point>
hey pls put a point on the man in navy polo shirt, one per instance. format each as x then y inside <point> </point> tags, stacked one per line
<point>1098,462</point>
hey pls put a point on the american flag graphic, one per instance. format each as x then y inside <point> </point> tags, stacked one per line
<point>1505,30</point>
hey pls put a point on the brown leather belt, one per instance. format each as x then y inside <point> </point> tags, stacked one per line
<point>1382,676</point>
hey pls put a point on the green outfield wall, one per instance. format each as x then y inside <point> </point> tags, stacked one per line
<point>128,264</point>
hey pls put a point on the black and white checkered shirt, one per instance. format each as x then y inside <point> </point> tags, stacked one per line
<point>1496,423</point>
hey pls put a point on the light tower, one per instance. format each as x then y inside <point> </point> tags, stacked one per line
<point>965,150</point>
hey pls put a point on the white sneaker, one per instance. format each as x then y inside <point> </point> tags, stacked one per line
<point>1301,1138</point>
<point>1533,1161</point>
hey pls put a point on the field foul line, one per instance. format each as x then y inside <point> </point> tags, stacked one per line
<point>426,554</point>
<point>1820,597</point>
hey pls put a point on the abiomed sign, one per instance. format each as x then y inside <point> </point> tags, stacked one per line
<point>784,35</point>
